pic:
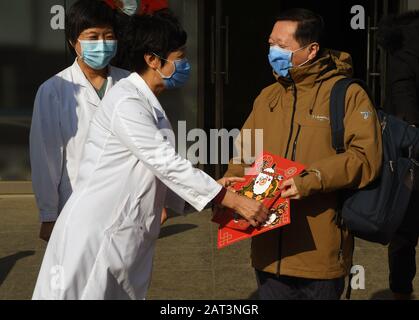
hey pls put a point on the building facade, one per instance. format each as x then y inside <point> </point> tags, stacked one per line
<point>227,47</point>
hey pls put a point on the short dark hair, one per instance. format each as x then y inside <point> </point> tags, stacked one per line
<point>160,34</point>
<point>310,25</point>
<point>85,14</point>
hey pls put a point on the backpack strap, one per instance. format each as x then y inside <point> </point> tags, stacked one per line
<point>337,116</point>
<point>337,110</point>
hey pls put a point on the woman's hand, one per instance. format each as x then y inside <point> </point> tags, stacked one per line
<point>230,181</point>
<point>253,211</point>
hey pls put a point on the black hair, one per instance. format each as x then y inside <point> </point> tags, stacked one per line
<point>121,22</point>
<point>310,25</point>
<point>159,33</point>
<point>85,14</point>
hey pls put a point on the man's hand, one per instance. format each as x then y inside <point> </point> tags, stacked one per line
<point>46,230</point>
<point>289,190</point>
<point>230,182</point>
<point>253,211</point>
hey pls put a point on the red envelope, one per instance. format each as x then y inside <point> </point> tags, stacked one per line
<point>263,183</point>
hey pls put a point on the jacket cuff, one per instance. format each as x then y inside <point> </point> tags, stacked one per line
<point>308,183</point>
<point>220,196</point>
<point>48,216</point>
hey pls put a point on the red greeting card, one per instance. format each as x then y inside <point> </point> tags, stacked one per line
<point>263,183</point>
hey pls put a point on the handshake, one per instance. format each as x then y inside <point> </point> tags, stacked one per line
<point>253,211</point>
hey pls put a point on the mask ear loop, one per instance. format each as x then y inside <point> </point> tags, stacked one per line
<point>160,73</point>
<point>299,49</point>
<point>302,48</point>
<point>304,63</point>
<point>79,55</point>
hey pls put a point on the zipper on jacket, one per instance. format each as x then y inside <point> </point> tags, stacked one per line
<point>340,253</point>
<point>340,225</point>
<point>294,106</point>
<point>294,147</point>
<point>294,89</point>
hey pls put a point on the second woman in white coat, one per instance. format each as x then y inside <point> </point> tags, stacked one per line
<point>65,105</point>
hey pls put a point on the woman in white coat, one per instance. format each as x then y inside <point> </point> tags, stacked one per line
<point>103,243</point>
<point>65,105</point>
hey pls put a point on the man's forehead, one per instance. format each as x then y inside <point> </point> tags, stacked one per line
<point>283,30</point>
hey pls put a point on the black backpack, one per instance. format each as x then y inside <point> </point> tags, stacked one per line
<point>375,212</point>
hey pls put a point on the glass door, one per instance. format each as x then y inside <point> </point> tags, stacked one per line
<point>32,49</point>
<point>183,105</point>
<point>237,67</point>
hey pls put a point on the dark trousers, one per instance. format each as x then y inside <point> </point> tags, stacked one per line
<point>272,287</point>
<point>402,250</point>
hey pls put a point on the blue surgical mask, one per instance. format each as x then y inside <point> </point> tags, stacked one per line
<point>97,54</point>
<point>180,75</point>
<point>281,60</point>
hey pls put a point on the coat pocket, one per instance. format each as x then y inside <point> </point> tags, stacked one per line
<point>125,250</point>
<point>311,143</point>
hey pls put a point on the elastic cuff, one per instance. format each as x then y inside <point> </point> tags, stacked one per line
<point>307,183</point>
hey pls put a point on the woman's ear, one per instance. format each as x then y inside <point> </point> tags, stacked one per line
<point>73,46</point>
<point>152,61</point>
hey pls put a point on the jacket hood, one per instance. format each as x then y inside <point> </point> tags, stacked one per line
<point>330,63</point>
<point>399,32</point>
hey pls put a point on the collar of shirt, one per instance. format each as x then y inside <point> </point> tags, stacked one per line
<point>80,78</point>
<point>142,86</point>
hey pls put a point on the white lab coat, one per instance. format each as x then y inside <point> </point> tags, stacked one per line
<point>103,243</point>
<point>64,107</point>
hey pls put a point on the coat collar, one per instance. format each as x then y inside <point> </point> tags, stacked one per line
<point>142,86</point>
<point>80,79</point>
<point>329,64</point>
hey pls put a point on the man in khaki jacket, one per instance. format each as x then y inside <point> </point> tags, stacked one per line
<point>310,258</point>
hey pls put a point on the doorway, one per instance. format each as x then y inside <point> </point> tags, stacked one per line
<point>236,65</point>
